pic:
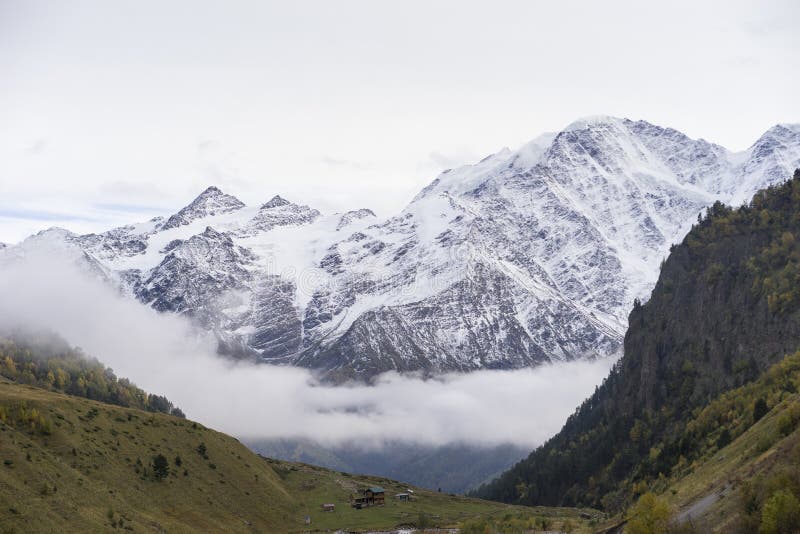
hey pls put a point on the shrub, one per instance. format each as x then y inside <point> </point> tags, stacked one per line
<point>788,420</point>
<point>423,521</point>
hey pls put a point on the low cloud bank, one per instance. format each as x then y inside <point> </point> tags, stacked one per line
<point>165,355</point>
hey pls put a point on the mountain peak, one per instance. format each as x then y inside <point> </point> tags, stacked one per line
<point>268,217</point>
<point>210,202</point>
<point>55,231</point>
<point>212,190</point>
<point>594,120</point>
<point>776,138</point>
<point>275,202</point>
<point>780,131</point>
<point>790,126</point>
<point>354,215</point>
<point>212,233</point>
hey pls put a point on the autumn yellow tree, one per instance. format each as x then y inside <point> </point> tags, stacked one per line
<point>650,515</point>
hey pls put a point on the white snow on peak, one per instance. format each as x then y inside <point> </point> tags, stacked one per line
<point>210,202</point>
<point>275,202</point>
<point>592,120</point>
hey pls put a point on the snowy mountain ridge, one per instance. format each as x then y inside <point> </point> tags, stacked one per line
<point>526,257</point>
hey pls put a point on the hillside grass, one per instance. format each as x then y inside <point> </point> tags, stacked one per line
<point>78,465</point>
<point>88,466</point>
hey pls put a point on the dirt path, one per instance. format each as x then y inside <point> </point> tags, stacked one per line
<point>698,508</point>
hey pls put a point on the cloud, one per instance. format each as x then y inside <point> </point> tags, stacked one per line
<point>344,163</point>
<point>129,208</point>
<point>219,166</point>
<point>440,161</point>
<point>140,190</point>
<point>206,145</point>
<point>37,147</point>
<point>164,354</point>
<point>40,215</point>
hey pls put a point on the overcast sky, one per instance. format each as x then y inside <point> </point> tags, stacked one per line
<point>114,112</point>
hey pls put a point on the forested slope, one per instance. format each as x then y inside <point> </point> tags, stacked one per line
<point>725,308</point>
<point>47,361</point>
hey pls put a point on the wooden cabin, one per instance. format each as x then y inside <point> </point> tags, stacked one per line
<point>374,496</point>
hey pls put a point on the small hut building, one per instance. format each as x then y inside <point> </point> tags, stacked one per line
<point>374,496</point>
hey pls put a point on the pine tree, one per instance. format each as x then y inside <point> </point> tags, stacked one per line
<point>160,466</point>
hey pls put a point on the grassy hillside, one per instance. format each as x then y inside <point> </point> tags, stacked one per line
<point>86,465</point>
<point>76,464</point>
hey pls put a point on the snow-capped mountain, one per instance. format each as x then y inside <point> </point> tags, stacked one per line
<point>210,202</point>
<point>526,257</point>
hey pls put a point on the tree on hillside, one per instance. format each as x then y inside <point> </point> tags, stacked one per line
<point>160,466</point>
<point>781,514</point>
<point>760,409</point>
<point>650,515</point>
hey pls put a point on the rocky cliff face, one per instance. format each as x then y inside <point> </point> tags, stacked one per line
<point>528,256</point>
